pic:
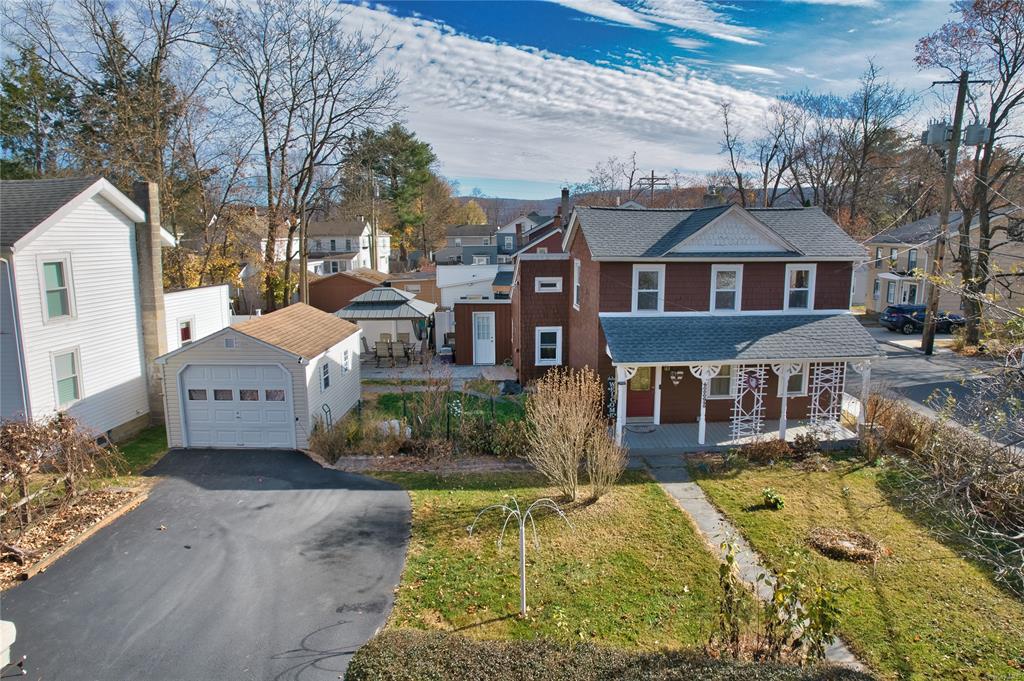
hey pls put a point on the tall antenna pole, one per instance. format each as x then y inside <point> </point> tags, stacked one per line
<point>928,334</point>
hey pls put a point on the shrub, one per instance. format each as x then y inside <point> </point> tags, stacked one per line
<point>765,449</point>
<point>567,427</point>
<point>509,438</point>
<point>405,655</point>
<point>772,499</point>
<point>805,444</point>
<point>367,432</point>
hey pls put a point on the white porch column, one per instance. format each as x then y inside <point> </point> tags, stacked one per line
<point>622,376</point>
<point>657,396</point>
<point>864,369</point>
<point>705,372</point>
<point>784,371</point>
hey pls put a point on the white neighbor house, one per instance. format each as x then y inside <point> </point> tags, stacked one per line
<point>262,383</point>
<point>76,267</point>
<point>194,313</point>
<point>338,245</point>
<point>465,282</point>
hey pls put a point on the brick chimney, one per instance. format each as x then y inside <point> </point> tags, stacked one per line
<point>565,203</point>
<point>151,293</point>
<point>519,236</point>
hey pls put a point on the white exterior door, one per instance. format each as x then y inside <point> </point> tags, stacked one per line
<point>910,294</point>
<point>237,406</point>
<point>483,338</point>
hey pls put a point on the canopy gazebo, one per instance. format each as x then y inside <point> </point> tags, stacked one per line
<point>389,314</point>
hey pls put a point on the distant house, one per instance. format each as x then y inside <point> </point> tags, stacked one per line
<point>335,291</point>
<point>467,282</point>
<point>338,245</point>
<point>84,312</point>
<point>460,237</point>
<point>900,258</point>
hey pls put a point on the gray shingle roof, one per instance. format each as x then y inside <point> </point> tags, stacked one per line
<point>26,203</point>
<point>471,230</point>
<point>747,337</point>
<point>652,232</point>
<point>385,302</point>
<point>503,278</point>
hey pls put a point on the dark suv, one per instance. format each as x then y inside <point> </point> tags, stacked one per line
<point>910,318</point>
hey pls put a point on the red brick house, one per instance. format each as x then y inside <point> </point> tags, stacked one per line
<point>698,316</point>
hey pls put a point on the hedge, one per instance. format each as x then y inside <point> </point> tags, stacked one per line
<point>409,655</point>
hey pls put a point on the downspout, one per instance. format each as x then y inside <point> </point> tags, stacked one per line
<point>8,261</point>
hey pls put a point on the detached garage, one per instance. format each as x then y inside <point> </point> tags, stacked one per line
<point>262,383</point>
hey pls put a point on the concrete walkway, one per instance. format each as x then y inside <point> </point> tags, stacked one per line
<point>670,471</point>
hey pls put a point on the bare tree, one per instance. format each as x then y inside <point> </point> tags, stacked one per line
<point>734,148</point>
<point>306,85</point>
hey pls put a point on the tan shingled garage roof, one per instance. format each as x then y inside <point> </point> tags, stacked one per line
<point>300,329</point>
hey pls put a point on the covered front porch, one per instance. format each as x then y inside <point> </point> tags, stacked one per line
<point>702,382</point>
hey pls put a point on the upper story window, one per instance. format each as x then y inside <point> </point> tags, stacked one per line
<point>57,288</point>
<point>575,282</point>
<point>185,331</point>
<point>325,376</point>
<point>648,288</point>
<point>66,377</point>
<point>876,290</point>
<point>912,259</point>
<point>542,250</point>
<point>486,241</point>
<point>800,287</point>
<point>458,242</point>
<point>726,287</point>
<point>334,245</point>
<point>508,242</point>
<point>878,255</point>
<point>894,255</point>
<point>547,285</point>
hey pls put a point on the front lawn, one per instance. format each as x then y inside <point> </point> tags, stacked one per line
<point>921,612</point>
<point>631,570</point>
<point>144,451</point>
<point>471,405</point>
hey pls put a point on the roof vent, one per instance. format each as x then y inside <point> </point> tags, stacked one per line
<point>229,343</point>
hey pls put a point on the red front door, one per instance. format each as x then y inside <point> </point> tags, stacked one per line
<point>640,394</point>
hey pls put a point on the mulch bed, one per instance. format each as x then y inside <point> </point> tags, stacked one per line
<point>850,545</point>
<point>443,465</point>
<point>61,529</point>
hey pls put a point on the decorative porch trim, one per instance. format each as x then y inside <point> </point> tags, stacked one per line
<point>749,420</point>
<point>784,371</point>
<point>826,389</point>
<point>705,372</point>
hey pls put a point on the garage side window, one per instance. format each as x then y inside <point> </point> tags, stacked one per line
<point>325,376</point>
<point>222,394</point>
<point>197,394</point>
<point>274,395</point>
<point>345,361</point>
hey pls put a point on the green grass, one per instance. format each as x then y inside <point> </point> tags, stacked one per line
<point>922,612</point>
<point>144,451</point>
<point>630,571</point>
<point>391,404</point>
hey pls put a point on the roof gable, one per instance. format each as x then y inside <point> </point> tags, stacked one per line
<point>299,329</point>
<point>733,230</point>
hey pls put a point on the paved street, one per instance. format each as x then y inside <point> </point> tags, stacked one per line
<point>269,567</point>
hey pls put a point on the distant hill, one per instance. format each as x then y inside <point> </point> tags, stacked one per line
<point>501,211</point>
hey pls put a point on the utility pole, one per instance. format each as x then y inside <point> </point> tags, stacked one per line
<point>373,217</point>
<point>928,334</point>
<point>652,182</point>
<point>303,257</point>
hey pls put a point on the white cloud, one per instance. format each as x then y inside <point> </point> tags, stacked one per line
<point>687,43</point>
<point>497,110</point>
<point>840,3</point>
<point>755,70</point>
<point>608,10</point>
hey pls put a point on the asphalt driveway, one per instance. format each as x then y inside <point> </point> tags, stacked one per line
<point>269,567</point>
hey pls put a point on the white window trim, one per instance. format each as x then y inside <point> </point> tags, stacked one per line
<point>192,327</point>
<point>69,284</point>
<point>78,375</point>
<point>413,288</point>
<point>557,281</point>
<point>732,384</point>
<point>914,266</point>
<point>890,288</point>
<point>715,269</point>
<point>803,390</point>
<point>481,260</point>
<point>509,241</point>
<point>542,250</point>
<point>325,372</point>
<point>660,269</point>
<point>812,279</point>
<point>576,287</point>
<point>458,242</point>
<point>557,361</point>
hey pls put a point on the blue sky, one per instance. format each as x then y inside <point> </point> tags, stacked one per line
<point>518,98</point>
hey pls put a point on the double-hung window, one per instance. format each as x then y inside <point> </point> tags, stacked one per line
<point>325,376</point>
<point>575,283</point>
<point>912,259</point>
<point>185,330</point>
<point>648,288</point>
<point>876,290</point>
<point>458,242</point>
<point>508,243</point>
<point>890,292</point>
<point>720,387</point>
<point>726,287</point>
<point>796,384</point>
<point>57,288</point>
<point>878,255</point>
<point>67,377</point>
<point>334,245</point>
<point>549,346</point>
<point>799,287</point>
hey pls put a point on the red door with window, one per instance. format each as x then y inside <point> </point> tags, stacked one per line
<point>640,394</point>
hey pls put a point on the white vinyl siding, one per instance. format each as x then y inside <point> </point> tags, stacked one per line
<point>105,326</point>
<point>208,308</point>
<point>345,385</point>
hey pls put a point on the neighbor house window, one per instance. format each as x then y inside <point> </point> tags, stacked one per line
<point>508,242</point>
<point>66,374</point>
<point>726,284</point>
<point>547,285</point>
<point>890,292</point>
<point>57,285</point>
<point>796,384</point>
<point>912,259</point>
<point>549,346</point>
<point>334,245</point>
<point>799,287</point>
<point>542,250</point>
<point>878,254</point>
<point>481,260</point>
<point>185,331</point>
<point>894,255</point>
<point>325,376</point>
<point>575,282</point>
<point>721,385</point>
<point>458,242</point>
<point>876,290</point>
<point>648,286</point>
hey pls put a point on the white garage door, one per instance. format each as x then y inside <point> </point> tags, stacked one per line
<point>238,406</point>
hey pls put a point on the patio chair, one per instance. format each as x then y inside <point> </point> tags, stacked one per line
<point>382,351</point>
<point>386,337</point>
<point>404,337</point>
<point>366,346</point>
<point>400,351</point>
